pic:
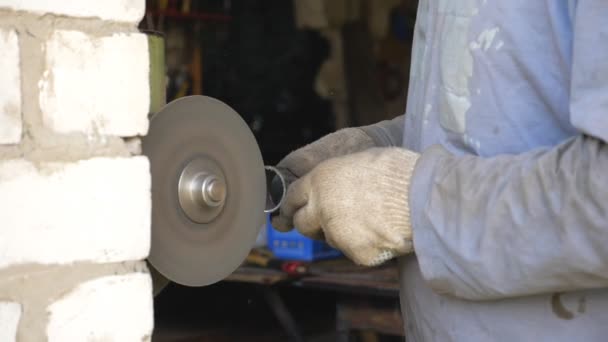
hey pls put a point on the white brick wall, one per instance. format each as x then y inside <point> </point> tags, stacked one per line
<point>117,10</point>
<point>113,308</point>
<point>92,210</point>
<point>10,88</point>
<point>96,85</point>
<point>75,210</point>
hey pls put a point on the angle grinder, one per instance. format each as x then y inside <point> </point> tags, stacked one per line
<point>211,192</point>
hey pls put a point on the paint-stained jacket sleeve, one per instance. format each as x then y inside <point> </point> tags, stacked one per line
<point>514,225</point>
<point>386,133</point>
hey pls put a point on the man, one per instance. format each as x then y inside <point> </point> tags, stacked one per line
<point>497,201</point>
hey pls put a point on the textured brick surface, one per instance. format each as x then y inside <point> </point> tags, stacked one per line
<point>10,313</point>
<point>93,210</point>
<point>113,308</point>
<point>117,10</point>
<point>10,88</point>
<point>96,84</point>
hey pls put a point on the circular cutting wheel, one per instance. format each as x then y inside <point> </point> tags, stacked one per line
<point>208,190</point>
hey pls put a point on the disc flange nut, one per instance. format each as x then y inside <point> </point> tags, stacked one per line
<point>202,190</point>
<point>213,191</point>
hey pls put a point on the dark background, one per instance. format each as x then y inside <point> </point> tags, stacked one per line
<point>251,55</point>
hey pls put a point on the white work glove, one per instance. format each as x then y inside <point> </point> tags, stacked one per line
<point>301,161</point>
<point>358,203</point>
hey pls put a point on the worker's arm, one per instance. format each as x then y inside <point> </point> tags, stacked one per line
<point>537,222</point>
<point>513,225</point>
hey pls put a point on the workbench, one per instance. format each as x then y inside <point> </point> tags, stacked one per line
<point>368,298</point>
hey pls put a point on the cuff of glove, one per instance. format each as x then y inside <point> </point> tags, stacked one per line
<point>340,143</point>
<point>353,139</point>
<point>386,133</point>
<point>395,168</point>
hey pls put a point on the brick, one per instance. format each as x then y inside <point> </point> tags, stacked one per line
<point>113,308</point>
<point>117,10</point>
<point>10,86</point>
<point>95,210</point>
<point>96,84</point>
<point>10,313</point>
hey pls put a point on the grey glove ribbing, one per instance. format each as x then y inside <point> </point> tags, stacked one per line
<point>339,143</point>
<point>386,133</point>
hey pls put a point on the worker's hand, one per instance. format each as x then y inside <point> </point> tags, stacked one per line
<point>301,161</point>
<point>339,143</point>
<point>358,203</point>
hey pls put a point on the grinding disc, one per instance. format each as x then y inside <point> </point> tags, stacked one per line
<point>199,141</point>
<point>159,282</point>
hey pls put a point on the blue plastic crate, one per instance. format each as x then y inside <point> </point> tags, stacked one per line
<point>295,246</point>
